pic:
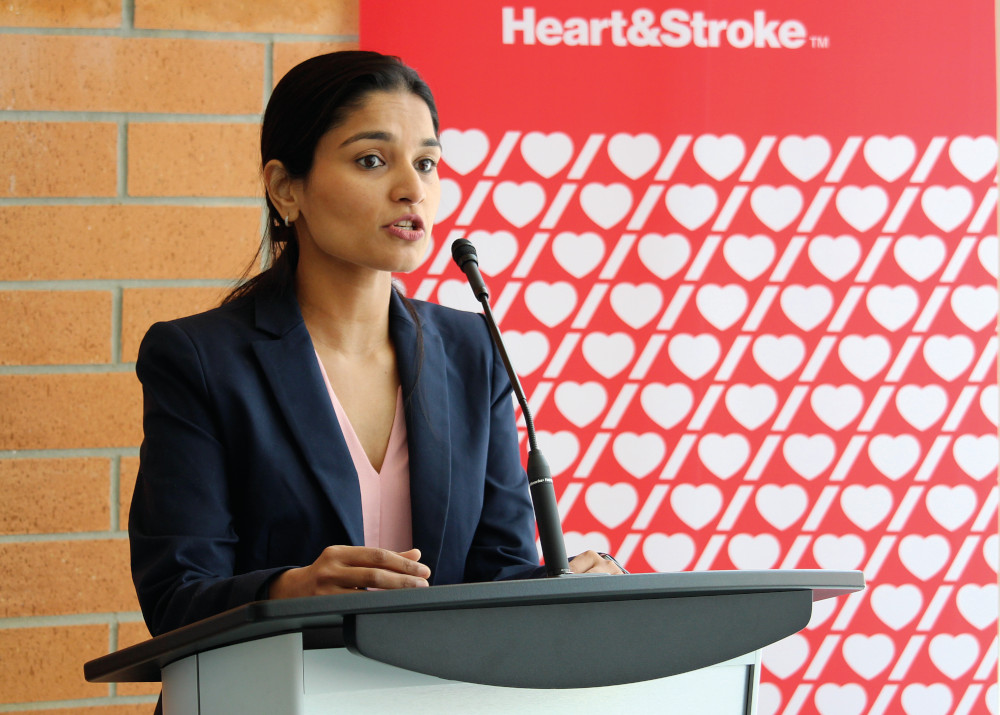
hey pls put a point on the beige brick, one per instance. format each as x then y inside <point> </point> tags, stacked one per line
<point>289,54</point>
<point>49,578</point>
<point>55,327</point>
<point>194,160</point>
<point>316,17</point>
<point>129,634</point>
<point>141,307</point>
<point>146,709</point>
<point>127,472</point>
<point>121,242</point>
<point>118,74</point>
<point>70,411</point>
<point>60,13</point>
<point>54,495</point>
<point>58,159</point>
<point>39,664</point>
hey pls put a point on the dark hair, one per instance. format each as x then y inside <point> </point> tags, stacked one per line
<point>311,99</point>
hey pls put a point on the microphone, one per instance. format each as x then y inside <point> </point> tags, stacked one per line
<point>543,496</point>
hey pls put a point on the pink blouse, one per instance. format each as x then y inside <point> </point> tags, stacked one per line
<point>385,495</point>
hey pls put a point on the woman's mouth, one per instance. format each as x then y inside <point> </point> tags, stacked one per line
<point>408,228</point>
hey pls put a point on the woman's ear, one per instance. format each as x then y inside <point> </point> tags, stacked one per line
<point>279,185</point>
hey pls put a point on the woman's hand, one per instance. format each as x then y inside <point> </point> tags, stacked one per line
<point>593,562</point>
<point>341,569</point>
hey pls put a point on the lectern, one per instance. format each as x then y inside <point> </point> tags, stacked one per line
<point>681,643</point>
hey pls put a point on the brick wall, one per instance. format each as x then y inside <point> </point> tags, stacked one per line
<point>129,193</point>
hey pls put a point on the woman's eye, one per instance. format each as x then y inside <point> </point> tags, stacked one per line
<point>371,161</point>
<point>426,165</point>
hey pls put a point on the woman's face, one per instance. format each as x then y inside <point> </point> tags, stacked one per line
<point>373,191</point>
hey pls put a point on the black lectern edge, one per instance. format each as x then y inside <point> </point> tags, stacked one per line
<point>143,662</point>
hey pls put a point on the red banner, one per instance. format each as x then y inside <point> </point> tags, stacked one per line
<point>746,259</point>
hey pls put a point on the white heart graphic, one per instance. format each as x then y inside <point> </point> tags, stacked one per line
<point>751,406</point>
<point>577,542</point>
<point>692,206</point>
<point>890,158</point>
<point>608,354</point>
<point>776,206</point>
<point>834,257</point>
<point>754,552</point>
<point>519,203</point>
<point>867,507</point>
<point>809,456</point>
<point>748,256</point>
<point>561,449</point>
<point>778,356</point>
<point>666,405</point>
<point>862,208</point>
<point>781,506</point>
<point>836,406</point>
<point>989,403</point>
<point>696,506</point>
<point>864,357</point>
<point>847,699</point>
<point>977,456</point>
<point>991,551</point>
<point>636,305</point>
<point>806,306</point>
<point>547,154</point>
<point>868,655</point>
<point>668,553</point>
<point>464,151</point>
<point>924,556</point>
<point>989,255</point>
<point>949,357</point>
<point>978,604</point>
<point>723,455</point>
<point>920,699</point>
<point>954,655</point>
<point>975,158</point>
<point>842,553</point>
<point>719,156</point>
<point>894,456</point>
<point>606,205</point>
<point>784,658</point>
<point>975,306</point>
<point>611,504</point>
<point>897,606</point>
<point>664,255</point>
<point>634,155</point>
<point>495,250</point>
<point>919,257</point>
<point>892,307</point>
<point>451,197</point>
<point>456,294</point>
<point>992,701</point>
<point>578,253</point>
<point>528,350</point>
<point>804,157</point>
<point>822,610</point>
<point>951,506</point>
<point>721,306</point>
<point>922,407</point>
<point>694,355</point>
<point>581,403</point>
<point>639,454</point>
<point>768,699</point>
<point>550,303</point>
<point>946,208</point>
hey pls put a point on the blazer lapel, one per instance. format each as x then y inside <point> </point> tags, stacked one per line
<point>289,362</point>
<point>424,380</point>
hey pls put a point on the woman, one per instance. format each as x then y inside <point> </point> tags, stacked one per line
<point>318,433</point>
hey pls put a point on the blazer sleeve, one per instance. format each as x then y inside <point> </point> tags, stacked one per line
<point>181,523</point>
<point>504,543</point>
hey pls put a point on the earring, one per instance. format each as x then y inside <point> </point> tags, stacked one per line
<point>286,221</point>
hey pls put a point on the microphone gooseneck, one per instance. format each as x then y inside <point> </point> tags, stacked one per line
<point>543,497</point>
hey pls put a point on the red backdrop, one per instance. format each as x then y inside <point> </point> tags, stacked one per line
<point>746,258</point>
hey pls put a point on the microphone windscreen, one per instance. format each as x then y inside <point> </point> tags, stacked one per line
<point>463,251</point>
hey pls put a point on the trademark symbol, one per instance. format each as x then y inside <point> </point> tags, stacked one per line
<point>821,42</point>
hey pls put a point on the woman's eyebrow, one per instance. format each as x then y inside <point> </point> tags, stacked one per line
<point>378,135</point>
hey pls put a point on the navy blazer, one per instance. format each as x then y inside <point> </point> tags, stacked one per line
<point>244,470</point>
